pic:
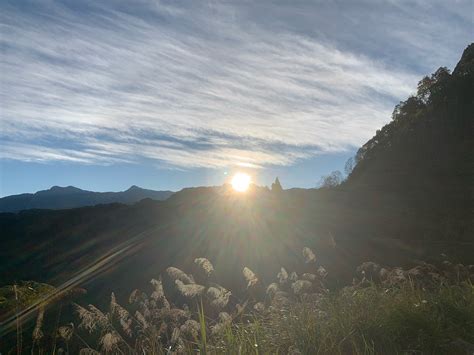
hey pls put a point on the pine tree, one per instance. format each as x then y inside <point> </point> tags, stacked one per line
<point>276,186</point>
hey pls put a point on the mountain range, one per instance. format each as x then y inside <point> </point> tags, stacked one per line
<point>71,197</point>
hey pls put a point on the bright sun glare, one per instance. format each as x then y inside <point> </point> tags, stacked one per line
<point>240,182</point>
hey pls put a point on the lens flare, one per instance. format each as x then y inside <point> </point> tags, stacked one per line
<point>240,182</point>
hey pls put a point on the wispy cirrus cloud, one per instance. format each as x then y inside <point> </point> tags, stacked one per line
<point>195,85</point>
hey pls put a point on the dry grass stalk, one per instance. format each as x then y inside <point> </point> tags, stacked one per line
<point>309,277</point>
<point>110,341</point>
<point>272,289</point>
<point>191,290</point>
<point>250,277</point>
<point>122,314</point>
<point>191,328</point>
<point>177,274</point>
<point>301,286</point>
<point>293,276</point>
<point>219,296</point>
<point>158,294</point>
<point>65,332</point>
<point>205,265</point>
<point>37,331</point>
<point>282,276</point>
<point>309,256</point>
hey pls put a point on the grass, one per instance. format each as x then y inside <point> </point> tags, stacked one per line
<point>372,320</point>
<point>431,313</point>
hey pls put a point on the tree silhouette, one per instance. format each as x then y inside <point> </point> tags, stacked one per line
<point>276,186</point>
<point>350,164</point>
<point>331,180</point>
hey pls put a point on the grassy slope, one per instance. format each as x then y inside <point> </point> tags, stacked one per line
<point>373,320</point>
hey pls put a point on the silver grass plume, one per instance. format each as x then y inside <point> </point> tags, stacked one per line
<point>189,291</point>
<point>259,307</point>
<point>110,341</point>
<point>65,332</point>
<point>219,296</point>
<point>272,289</point>
<point>101,319</point>
<point>141,299</point>
<point>122,315</point>
<point>177,274</point>
<point>158,294</point>
<point>141,320</point>
<point>205,265</point>
<point>250,277</point>
<point>137,296</point>
<point>37,332</point>
<point>240,308</point>
<point>309,277</point>
<point>301,286</point>
<point>322,272</point>
<point>309,256</point>
<point>282,276</point>
<point>191,328</point>
<point>88,319</point>
<point>281,299</point>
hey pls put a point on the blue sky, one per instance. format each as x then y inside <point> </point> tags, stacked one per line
<point>169,94</point>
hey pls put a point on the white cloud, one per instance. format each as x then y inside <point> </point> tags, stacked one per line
<point>190,87</point>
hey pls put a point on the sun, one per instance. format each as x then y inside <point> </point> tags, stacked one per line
<point>240,182</point>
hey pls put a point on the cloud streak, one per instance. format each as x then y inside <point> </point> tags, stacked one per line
<point>190,86</point>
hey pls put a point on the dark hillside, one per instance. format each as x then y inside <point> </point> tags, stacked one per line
<point>417,172</point>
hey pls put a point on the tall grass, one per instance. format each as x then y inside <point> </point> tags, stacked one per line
<point>425,310</point>
<point>372,320</point>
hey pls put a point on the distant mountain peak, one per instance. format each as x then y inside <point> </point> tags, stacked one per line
<point>66,188</point>
<point>134,187</point>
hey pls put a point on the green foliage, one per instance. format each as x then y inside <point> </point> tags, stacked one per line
<point>27,292</point>
<point>202,323</point>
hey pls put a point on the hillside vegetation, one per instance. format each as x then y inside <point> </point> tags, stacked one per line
<point>426,309</point>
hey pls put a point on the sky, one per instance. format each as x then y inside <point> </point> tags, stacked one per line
<point>103,95</point>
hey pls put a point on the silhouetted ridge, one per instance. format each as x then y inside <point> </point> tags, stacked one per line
<point>58,197</point>
<point>420,166</point>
